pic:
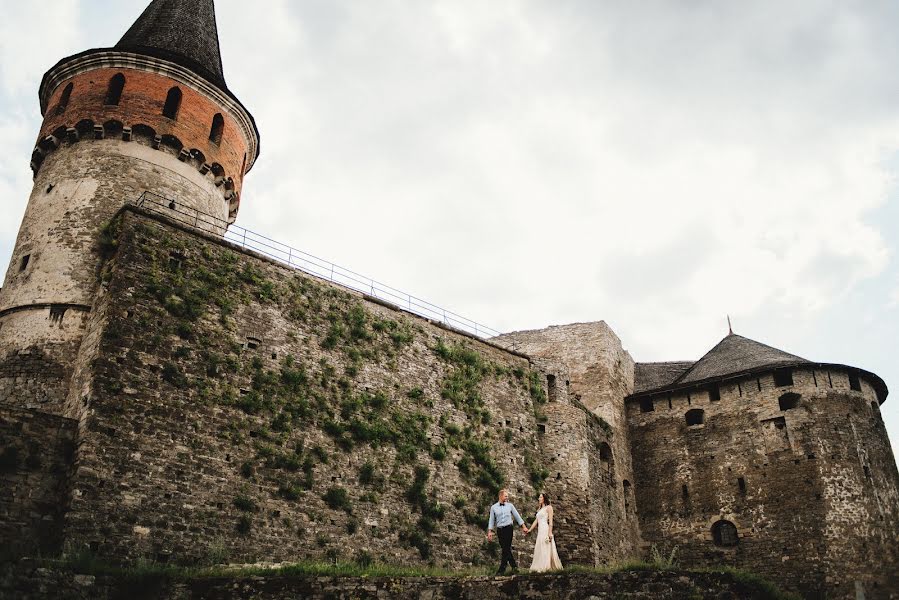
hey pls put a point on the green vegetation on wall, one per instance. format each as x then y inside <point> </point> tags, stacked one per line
<point>335,398</point>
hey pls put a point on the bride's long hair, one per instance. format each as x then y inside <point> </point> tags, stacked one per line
<point>546,501</point>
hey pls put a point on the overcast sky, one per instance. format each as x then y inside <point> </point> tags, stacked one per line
<point>657,165</point>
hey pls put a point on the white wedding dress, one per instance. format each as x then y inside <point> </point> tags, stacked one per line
<point>546,558</point>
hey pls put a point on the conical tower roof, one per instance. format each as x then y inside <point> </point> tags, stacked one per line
<point>182,31</point>
<point>736,354</point>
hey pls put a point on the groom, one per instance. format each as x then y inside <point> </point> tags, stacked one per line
<point>501,515</point>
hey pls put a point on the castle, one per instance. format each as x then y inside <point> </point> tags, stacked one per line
<point>166,394</point>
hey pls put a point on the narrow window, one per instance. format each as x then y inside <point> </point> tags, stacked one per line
<point>172,103</point>
<point>741,483</point>
<point>815,378</point>
<point>867,471</point>
<point>64,99</point>
<point>646,405</point>
<point>627,495</point>
<point>669,400</point>
<point>788,401</point>
<point>829,379</point>
<point>176,259</point>
<point>854,383</point>
<point>689,399</point>
<point>783,377</point>
<point>725,533</point>
<point>740,389</point>
<point>551,391</point>
<point>114,91</point>
<point>714,393</point>
<point>605,459</point>
<point>758,383</point>
<point>695,417</point>
<point>24,263</point>
<point>218,125</point>
<point>684,492</point>
<point>873,406</point>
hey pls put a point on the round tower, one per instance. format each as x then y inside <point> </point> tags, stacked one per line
<point>767,461</point>
<point>151,116</point>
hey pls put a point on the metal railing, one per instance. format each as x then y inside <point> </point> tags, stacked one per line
<point>307,263</point>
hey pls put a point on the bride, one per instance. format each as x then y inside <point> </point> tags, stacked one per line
<point>546,558</point>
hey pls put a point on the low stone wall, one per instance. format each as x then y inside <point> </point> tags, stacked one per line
<point>40,584</point>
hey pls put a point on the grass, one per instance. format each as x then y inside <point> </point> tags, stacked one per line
<point>366,568</point>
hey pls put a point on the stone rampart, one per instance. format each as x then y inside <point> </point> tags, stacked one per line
<point>239,410</point>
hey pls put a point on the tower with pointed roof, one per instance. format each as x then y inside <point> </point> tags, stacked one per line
<point>151,115</point>
<point>761,459</point>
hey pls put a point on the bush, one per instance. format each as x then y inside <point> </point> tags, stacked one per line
<point>338,499</point>
<point>244,525</point>
<point>367,473</point>
<point>244,503</point>
<point>173,375</point>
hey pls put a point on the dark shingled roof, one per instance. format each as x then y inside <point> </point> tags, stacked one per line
<point>182,31</point>
<point>649,376</point>
<point>736,354</point>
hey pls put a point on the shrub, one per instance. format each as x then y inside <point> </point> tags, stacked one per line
<point>244,503</point>
<point>367,473</point>
<point>439,453</point>
<point>351,526</point>
<point>173,375</point>
<point>338,499</point>
<point>244,525</point>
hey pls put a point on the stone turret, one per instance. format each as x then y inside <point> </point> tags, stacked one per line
<point>758,458</point>
<point>151,114</point>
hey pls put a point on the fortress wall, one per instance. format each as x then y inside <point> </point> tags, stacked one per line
<point>35,457</point>
<point>238,411</point>
<point>601,374</point>
<point>807,514</point>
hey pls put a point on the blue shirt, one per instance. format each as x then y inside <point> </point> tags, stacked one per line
<point>501,515</point>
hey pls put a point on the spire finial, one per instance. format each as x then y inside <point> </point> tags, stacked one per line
<point>730,329</point>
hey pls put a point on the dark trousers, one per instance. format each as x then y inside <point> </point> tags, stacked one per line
<point>504,534</point>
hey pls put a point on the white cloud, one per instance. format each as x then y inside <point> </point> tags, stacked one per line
<point>31,37</point>
<point>526,163</point>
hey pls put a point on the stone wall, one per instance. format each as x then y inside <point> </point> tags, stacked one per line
<point>44,583</point>
<point>596,450</point>
<point>239,410</point>
<point>35,458</point>
<point>811,489</point>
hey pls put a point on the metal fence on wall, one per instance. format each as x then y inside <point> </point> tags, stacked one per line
<point>308,263</point>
